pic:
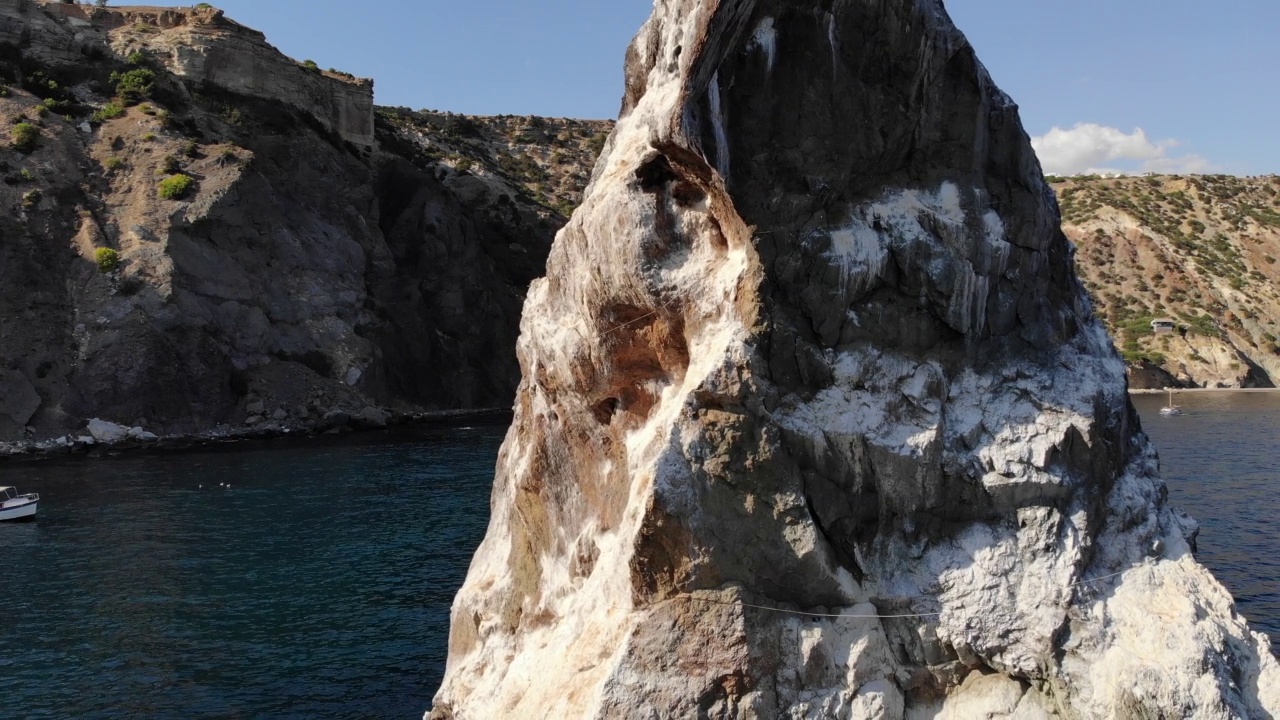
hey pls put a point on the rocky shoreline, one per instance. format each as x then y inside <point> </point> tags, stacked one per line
<point>104,439</point>
<point>1180,391</point>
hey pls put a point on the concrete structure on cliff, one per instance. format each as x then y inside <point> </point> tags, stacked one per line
<point>816,419</point>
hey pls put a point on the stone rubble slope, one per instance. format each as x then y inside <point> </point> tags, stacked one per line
<point>816,420</point>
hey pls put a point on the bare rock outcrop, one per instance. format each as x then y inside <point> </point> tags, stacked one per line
<point>197,43</point>
<point>816,420</point>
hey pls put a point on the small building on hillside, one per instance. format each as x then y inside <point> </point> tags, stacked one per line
<point>1162,325</point>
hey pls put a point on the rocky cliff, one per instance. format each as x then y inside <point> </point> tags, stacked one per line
<point>200,45</point>
<point>200,234</point>
<point>816,419</point>
<point>1198,250</point>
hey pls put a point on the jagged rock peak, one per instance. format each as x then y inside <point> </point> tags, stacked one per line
<point>813,344</point>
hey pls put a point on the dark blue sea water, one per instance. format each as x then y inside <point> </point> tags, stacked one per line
<point>318,585</point>
<point>1221,461</point>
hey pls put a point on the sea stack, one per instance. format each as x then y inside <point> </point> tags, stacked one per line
<point>816,420</point>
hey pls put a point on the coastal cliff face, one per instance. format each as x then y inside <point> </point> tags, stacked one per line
<point>816,419</point>
<point>1198,250</point>
<point>273,253</point>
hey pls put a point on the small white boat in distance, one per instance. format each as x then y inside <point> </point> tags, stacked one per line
<point>1170,409</point>
<point>17,507</point>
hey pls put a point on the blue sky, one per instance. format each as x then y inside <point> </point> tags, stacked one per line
<point>1130,85</point>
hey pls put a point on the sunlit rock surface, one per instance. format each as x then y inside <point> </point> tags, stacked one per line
<point>198,43</point>
<point>816,420</point>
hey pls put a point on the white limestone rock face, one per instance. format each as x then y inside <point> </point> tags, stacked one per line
<point>816,421</point>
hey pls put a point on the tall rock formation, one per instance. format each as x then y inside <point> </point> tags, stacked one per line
<point>816,420</point>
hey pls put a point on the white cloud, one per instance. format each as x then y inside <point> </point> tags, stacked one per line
<point>1088,148</point>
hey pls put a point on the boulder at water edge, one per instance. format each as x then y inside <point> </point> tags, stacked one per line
<point>107,432</point>
<point>816,420</point>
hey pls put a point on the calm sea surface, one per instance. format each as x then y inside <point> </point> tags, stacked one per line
<point>1221,461</point>
<point>318,584</point>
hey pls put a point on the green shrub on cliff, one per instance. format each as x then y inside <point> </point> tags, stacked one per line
<point>176,187</point>
<point>596,144</point>
<point>1203,325</point>
<point>24,137</point>
<point>461,126</point>
<point>106,259</point>
<point>168,166</point>
<point>110,111</point>
<point>133,86</point>
<point>61,107</point>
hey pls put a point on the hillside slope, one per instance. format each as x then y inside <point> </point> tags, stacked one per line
<point>200,234</point>
<point>1200,250</point>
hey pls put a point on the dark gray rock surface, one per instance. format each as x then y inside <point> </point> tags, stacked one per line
<point>301,271</point>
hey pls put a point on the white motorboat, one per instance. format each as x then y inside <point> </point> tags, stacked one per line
<point>1170,409</point>
<point>17,507</point>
